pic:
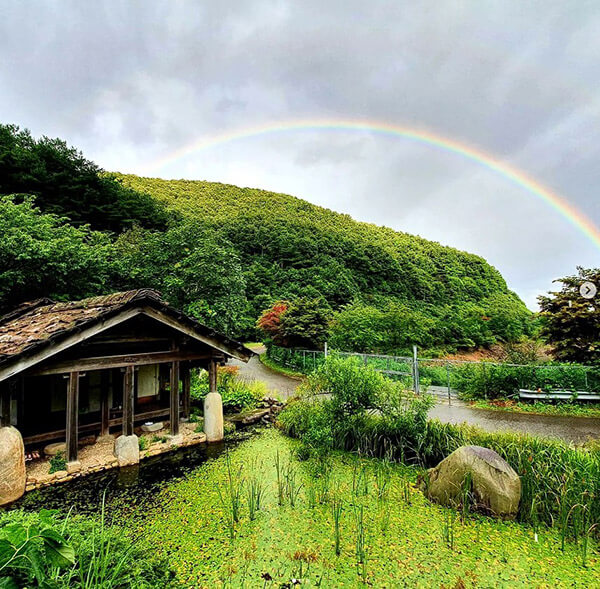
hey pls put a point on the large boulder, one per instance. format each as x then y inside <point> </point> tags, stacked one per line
<point>493,484</point>
<point>127,450</point>
<point>12,465</point>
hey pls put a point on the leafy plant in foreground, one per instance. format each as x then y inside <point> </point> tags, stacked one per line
<point>32,551</point>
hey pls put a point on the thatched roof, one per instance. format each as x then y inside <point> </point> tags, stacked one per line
<point>40,323</point>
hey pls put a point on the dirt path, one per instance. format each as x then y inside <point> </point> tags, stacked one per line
<point>570,429</point>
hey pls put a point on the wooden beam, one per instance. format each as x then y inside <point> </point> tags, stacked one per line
<point>212,376</point>
<point>128,401</point>
<point>209,341</point>
<point>174,415</point>
<point>72,429</point>
<point>28,361</point>
<point>91,427</point>
<point>104,362</point>
<point>104,408</point>
<point>185,389</point>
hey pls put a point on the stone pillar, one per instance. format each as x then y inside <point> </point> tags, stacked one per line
<point>213,407</point>
<point>12,465</point>
<point>127,450</point>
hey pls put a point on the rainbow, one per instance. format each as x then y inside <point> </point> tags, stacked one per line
<point>558,203</point>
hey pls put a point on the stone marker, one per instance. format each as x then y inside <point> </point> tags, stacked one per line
<point>127,450</point>
<point>12,465</point>
<point>54,449</point>
<point>152,427</point>
<point>213,417</point>
<point>495,486</point>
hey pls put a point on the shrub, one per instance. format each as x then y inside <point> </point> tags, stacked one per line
<point>237,394</point>
<point>337,406</point>
<point>143,443</point>
<point>353,387</point>
<point>490,381</point>
<point>77,552</point>
<point>30,548</point>
<point>58,462</point>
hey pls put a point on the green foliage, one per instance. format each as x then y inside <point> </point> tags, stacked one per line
<point>204,275</point>
<point>552,472</point>
<point>571,323</point>
<point>492,381</point>
<point>66,184</point>
<point>31,549</point>
<point>306,321</point>
<point>237,394</point>
<point>54,551</point>
<point>143,443</point>
<point>41,255</point>
<point>339,399</point>
<point>58,462</point>
<point>354,388</point>
<point>290,249</point>
<point>224,254</point>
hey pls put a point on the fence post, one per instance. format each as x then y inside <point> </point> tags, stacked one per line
<point>416,371</point>
<point>325,350</point>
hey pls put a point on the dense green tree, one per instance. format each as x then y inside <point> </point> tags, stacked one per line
<point>300,323</point>
<point>41,255</point>
<point>193,268</point>
<point>65,183</point>
<point>305,323</point>
<point>570,322</point>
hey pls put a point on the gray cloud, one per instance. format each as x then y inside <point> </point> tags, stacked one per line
<point>131,82</point>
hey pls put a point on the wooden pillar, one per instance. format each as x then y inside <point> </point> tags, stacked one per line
<point>185,389</point>
<point>128,401</point>
<point>72,416</point>
<point>212,376</point>
<point>104,408</point>
<point>4,404</point>
<point>174,415</point>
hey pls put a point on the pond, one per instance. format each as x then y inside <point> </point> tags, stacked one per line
<point>133,488</point>
<point>193,510</point>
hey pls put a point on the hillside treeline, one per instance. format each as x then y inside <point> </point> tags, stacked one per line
<point>224,254</point>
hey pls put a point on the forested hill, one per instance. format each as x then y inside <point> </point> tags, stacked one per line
<point>291,248</point>
<point>225,254</point>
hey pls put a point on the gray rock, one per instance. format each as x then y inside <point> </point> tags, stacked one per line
<point>494,484</point>
<point>127,450</point>
<point>153,427</point>
<point>12,465</point>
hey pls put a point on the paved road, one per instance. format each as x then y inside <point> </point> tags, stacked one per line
<point>278,384</point>
<point>571,429</point>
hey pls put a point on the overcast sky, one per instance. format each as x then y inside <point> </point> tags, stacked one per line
<point>131,82</point>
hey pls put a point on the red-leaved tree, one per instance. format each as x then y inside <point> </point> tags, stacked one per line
<point>270,321</point>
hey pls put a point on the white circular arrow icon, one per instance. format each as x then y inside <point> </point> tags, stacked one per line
<point>588,290</point>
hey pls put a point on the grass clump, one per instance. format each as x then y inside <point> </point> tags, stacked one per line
<point>58,462</point>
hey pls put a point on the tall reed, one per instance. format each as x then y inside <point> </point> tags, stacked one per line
<point>337,507</point>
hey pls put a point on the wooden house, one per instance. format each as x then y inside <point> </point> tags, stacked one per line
<point>101,365</point>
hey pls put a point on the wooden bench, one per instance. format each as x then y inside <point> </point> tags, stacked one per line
<point>559,395</point>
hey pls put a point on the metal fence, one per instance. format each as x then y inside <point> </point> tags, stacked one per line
<point>446,376</point>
